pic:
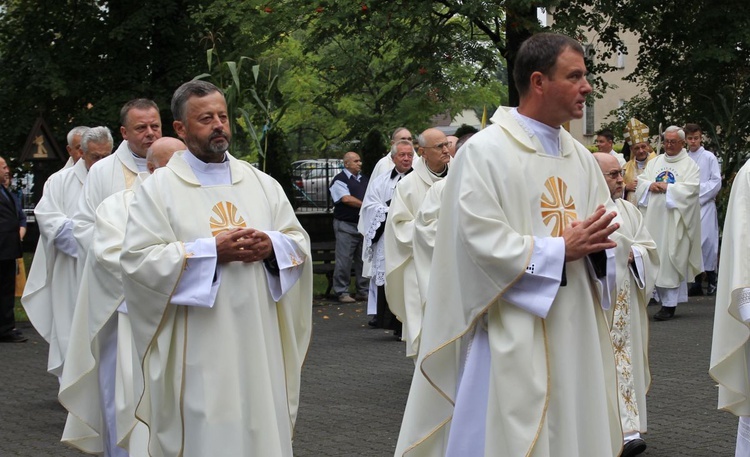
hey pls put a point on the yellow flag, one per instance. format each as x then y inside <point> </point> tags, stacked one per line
<point>484,116</point>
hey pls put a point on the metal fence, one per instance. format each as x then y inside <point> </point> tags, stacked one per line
<point>310,181</point>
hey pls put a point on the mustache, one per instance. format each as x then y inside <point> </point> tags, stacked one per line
<point>217,135</point>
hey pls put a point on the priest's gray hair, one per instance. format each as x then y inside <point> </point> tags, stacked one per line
<point>674,128</point>
<point>194,88</point>
<point>394,148</point>
<point>97,135</point>
<point>75,131</point>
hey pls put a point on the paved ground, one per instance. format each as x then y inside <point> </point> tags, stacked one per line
<point>356,380</point>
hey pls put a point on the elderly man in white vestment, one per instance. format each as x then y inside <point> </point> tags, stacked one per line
<point>219,294</point>
<point>515,356</point>
<point>730,350</point>
<point>425,226</point>
<point>385,164</point>
<point>710,174</point>
<point>667,194</point>
<point>637,265</point>
<point>50,294</point>
<point>373,215</point>
<point>140,126</point>
<point>401,287</point>
<point>98,387</point>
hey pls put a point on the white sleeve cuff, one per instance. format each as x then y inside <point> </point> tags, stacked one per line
<point>197,286</point>
<point>289,258</point>
<point>65,241</point>
<point>537,288</point>
<point>644,198</point>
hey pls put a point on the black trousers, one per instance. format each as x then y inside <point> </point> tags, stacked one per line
<point>386,319</point>
<point>7,295</point>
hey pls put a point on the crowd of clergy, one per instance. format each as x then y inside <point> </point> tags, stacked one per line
<point>174,282</point>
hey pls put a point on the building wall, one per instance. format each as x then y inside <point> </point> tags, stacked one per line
<point>620,90</point>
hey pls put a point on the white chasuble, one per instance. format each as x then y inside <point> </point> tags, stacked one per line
<point>118,171</point>
<point>628,317</point>
<point>401,287</point>
<point>425,226</point>
<point>551,386</point>
<point>222,380</point>
<point>729,349</point>
<point>100,295</point>
<point>51,289</point>
<point>673,218</point>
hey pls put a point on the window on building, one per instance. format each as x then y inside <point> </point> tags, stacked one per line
<point>620,59</point>
<point>588,118</point>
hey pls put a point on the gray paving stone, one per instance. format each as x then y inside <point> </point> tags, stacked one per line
<point>356,380</point>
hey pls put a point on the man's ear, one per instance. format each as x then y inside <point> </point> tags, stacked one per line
<point>536,81</point>
<point>179,128</point>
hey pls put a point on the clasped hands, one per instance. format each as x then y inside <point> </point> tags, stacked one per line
<point>590,235</point>
<point>243,245</point>
<point>658,187</point>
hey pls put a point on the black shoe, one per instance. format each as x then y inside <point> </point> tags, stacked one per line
<point>696,290</point>
<point>653,302</point>
<point>13,337</point>
<point>665,313</point>
<point>633,447</point>
<point>373,322</point>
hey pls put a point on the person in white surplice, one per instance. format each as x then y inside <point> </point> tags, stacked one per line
<point>219,292</point>
<point>52,288</point>
<point>385,164</point>
<point>667,194</point>
<point>730,349</point>
<point>710,173</point>
<point>515,356</point>
<point>401,287</point>
<point>637,265</point>
<point>98,386</point>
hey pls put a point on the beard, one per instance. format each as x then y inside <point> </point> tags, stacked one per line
<point>219,147</point>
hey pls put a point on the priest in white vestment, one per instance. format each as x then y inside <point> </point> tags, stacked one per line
<point>515,355</point>
<point>219,293</point>
<point>710,175</point>
<point>637,264</point>
<point>140,126</point>
<point>384,165</point>
<point>98,387</point>
<point>401,287</point>
<point>730,352</point>
<point>372,216</point>
<point>636,135</point>
<point>52,287</point>
<point>667,194</point>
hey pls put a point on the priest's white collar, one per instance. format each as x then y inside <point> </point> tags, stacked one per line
<point>140,162</point>
<point>548,136</point>
<point>209,174</point>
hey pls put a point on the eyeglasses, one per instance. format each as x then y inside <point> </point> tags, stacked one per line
<point>615,173</point>
<point>671,142</point>
<point>447,144</point>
